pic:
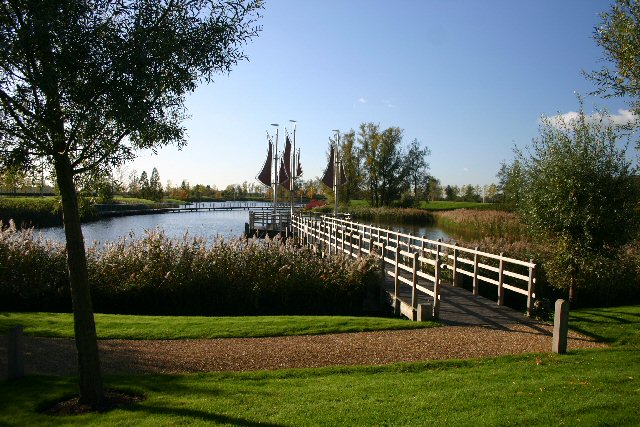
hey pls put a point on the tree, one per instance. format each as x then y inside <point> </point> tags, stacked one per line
<point>510,182</point>
<point>416,165</point>
<point>352,167</point>
<point>618,36</point>
<point>451,193</point>
<point>155,186</point>
<point>86,83</point>
<point>579,191</point>
<point>145,187</point>
<point>433,188</point>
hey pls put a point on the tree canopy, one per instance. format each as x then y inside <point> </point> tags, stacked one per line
<point>86,83</point>
<point>578,189</point>
<point>619,37</point>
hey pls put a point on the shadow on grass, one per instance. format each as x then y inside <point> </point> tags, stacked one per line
<point>195,414</point>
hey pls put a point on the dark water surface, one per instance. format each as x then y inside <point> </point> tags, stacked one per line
<point>228,224</point>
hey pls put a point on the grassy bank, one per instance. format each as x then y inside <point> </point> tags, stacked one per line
<point>111,326</point>
<point>29,211</point>
<point>585,387</point>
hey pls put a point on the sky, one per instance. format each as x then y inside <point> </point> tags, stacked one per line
<point>469,79</point>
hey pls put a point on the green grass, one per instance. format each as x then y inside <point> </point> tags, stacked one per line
<point>114,326</point>
<point>616,325</point>
<point>440,205</point>
<point>584,387</point>
<point>358,203</point>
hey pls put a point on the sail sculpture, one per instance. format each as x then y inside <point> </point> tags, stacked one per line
<point>332,179</point>
<point>329,172</point>
<point>329,177</point>
<point>299,169</point>
<point>285,164</point>
<point>265,175</point>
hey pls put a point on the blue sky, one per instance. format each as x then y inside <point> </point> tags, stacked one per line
<point>469,79</point>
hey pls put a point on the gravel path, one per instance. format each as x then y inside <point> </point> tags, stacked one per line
<point>57,356</point>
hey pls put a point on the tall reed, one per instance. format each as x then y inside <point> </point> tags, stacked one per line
<point>156,274</point>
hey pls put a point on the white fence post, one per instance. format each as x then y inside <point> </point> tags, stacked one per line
<point>454,278</point>
<point>501,280</point>
<point>475,271</point>
<point>530,287</point>
<point>436,285</point>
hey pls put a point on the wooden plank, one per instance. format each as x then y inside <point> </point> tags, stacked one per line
<point>515,289</point>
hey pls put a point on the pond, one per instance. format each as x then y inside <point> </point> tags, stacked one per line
<point>207,224</point>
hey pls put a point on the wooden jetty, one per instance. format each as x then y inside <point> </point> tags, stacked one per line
<point>112,210</point>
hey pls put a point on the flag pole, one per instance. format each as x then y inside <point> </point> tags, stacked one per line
<point>275,169</point>
<point>293,166</point>
<point>336,173</point>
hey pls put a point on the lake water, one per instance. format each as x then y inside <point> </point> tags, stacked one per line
<point>205,224</point>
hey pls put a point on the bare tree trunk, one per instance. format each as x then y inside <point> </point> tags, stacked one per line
<point>91,388</point>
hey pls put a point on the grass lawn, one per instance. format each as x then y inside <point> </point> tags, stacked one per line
<point>584,387</point>
<point>440,205</point>
<point>115,326</point>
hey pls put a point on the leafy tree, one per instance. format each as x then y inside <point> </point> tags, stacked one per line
<point>510,183</point>
<point>490,193</point>
<point>369,141</point>
<point>145,187</point>
<point>416,165</point>
<point>618,36</point>
<point>85,83</point>
<point>579,192</point>
<point>451,193</point>
<point>155,186</point>
<point>352,167</point>
<point>469,193</point>
<point>433,188</point>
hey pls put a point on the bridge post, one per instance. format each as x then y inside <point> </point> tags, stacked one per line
<point>396,282</point>
<point>436,285</point>
<point>475,271</point>
<point>501,280</point>
<point>530,287</point>
<point>454,278</point>
<point>423,253</point>
<point>560,327</point>
<point>414,281</point>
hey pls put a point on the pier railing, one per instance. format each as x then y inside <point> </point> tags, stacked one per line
<point>408,258</point>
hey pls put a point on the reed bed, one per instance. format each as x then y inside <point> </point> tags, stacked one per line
<point>479,223</point>
<point>156,274</point>
<point>386,214</point>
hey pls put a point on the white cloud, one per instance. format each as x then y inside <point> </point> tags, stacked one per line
<point>623,117</point>
<point>362,100</point>
<point>465,169</point>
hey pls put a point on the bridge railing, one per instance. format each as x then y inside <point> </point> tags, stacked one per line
<point>409,258</point>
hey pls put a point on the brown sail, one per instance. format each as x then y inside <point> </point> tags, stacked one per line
<point>285,164</point>
<point>299,170</point>
<point>328,177</point>
<point>265,174</point>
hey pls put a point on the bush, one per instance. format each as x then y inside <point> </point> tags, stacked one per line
<point>189,276</point>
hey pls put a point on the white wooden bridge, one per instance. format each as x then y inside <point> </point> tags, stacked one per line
<point>421,273</point>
